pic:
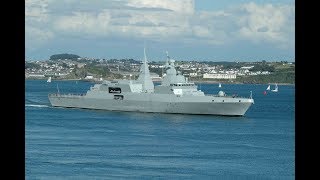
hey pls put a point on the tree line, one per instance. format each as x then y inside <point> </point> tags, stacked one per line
<point>64,56</point>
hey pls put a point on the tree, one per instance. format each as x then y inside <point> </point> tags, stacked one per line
<point>64,56</point>
<point>32,65</point>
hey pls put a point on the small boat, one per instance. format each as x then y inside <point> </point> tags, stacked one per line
<point>275,88</point>
<point>49,80</point>
<point>219,85</point>
<point>268,88</point>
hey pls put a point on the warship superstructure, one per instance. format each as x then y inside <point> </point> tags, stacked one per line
<point>174,95</point>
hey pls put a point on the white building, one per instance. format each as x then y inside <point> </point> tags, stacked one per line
<point>220,76</point>
<point>193,74</point>
<point>88,77</point>
<point>247,67</point>
<point>35,75</point>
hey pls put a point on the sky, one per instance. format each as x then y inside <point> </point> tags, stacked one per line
<point>202,30</point>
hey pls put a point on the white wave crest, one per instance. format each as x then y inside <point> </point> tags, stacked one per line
<point>36,105</point>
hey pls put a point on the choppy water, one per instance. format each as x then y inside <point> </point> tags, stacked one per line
<point>89,144</point>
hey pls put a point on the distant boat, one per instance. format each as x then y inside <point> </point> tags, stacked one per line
<point>219,85</point>
<point>49,80</point>
<point>268,88</point>
<point>275,89</point>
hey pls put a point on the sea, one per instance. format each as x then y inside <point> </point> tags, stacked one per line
<point>70,143</point>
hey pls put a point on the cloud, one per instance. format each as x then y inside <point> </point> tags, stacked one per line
<point>36,10</point>
<point>35,37</point>
<point>181,6</point>
<point>37,31</point>
<point>83,23</point>
<point>139,23</point>
<point>263,29</point>
<point>160,20</point>
<point>270,23</point>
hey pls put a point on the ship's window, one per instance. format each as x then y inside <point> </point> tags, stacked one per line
<point>222,100</point>
<point>118,97</point>
<point>239,100</point>
<point>212,100</point>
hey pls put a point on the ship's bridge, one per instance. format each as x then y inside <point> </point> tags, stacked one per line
<point>179,89</point>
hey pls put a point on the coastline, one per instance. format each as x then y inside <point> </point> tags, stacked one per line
<point>217,82</point>
<point>203,82</point>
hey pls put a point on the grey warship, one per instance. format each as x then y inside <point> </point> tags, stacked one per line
<point>174,95</point>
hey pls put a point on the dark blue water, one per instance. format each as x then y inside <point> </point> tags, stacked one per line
<point>89,144</point>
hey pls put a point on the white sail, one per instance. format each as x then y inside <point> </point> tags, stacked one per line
<point>275,88</point>
<point>219,85</point>
<point>49,80</point>
<point>268,88</point>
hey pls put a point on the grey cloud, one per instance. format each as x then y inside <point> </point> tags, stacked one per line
<point>263,29</point>
<point>149,9</point>
<point>160,24</point>
<point>144,23</point>
<point>119,22</point>
<point>120,15</point>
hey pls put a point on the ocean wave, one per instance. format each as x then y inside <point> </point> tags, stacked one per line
<point>36,105</point>
<point>35,101</point>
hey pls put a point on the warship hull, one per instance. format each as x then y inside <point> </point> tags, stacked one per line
<point>156,103</point>
<point>174,95</point>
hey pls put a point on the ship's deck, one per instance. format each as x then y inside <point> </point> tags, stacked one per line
<point>66,95</point>
<point>83,94</point>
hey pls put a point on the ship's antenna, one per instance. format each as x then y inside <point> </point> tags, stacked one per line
<point>145,56</point>
<point>167,62</point>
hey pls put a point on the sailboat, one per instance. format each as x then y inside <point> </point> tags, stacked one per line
<point>268,88</point>
<point>275,89</point>
<point>219,85</point>
<point>49,80</point>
